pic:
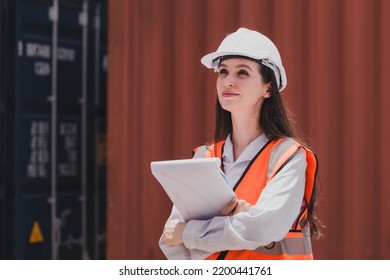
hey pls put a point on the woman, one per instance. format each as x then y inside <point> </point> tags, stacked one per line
<point>273,175</point>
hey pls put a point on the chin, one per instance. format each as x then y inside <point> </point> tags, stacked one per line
<point>227,108</point>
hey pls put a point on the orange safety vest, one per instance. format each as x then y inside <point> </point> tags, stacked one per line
<point>274,155</point>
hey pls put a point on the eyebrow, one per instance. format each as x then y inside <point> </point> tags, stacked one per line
<point>237,66</point>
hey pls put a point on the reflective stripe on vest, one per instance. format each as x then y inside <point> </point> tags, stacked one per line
<point>275,154</point>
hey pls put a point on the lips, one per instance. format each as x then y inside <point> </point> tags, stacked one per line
<point>229,94</point>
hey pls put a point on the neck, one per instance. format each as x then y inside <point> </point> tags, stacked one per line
<point>245,130</point>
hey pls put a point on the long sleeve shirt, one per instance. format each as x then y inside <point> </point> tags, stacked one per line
<point>268,220</point>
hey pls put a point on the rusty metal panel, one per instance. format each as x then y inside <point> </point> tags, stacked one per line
<point>359,113</point>
<point>161,105</point>
<point>381,97</point>
<point>321,113</point>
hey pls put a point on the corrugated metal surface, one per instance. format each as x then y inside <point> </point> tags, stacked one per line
<point>161,105</point>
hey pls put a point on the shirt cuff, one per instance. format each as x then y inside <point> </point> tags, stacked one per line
<point>189,238</point>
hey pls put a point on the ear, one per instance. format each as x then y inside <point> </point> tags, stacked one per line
<point>269,90</point>
<point>269,85</point>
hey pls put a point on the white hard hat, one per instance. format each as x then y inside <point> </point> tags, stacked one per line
<point>252,44</point>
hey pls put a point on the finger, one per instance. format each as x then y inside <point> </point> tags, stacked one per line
<point>171,223</point>
<point>240,207</point>
<point>173,232</point>
<point>228,209</point>
<point>168,232</point>
<point>168,242</point>
<point>167,238</point>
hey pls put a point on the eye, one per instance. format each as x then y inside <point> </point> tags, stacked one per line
<point>243,72</point>
<point>222,71</point>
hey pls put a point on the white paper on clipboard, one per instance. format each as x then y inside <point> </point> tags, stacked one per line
<point>197,187</point>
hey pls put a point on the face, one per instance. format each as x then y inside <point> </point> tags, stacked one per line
<point>240,86</point>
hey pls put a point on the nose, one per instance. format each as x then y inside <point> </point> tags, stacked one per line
<point>230,84</point>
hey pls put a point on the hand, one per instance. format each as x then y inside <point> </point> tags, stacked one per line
<point>173,232</point>
<point>235,206</point>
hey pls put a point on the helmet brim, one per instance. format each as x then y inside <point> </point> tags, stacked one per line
<point>211,62</point>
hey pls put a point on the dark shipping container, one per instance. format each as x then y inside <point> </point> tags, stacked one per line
<point>50,114</point>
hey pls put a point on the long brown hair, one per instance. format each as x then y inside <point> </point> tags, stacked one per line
<point>275,123</point>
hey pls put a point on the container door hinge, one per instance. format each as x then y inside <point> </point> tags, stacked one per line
<point>53,12</point>
<point>83,19</point>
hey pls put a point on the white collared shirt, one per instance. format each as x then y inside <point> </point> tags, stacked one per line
<point>268,220</point>
<point>234,169</point>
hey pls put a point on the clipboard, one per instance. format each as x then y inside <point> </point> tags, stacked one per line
<point>197,187</point>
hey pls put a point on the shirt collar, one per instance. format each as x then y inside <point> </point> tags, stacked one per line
<point>248,154</point>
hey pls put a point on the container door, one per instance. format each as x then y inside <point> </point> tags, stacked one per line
<point>52,113</point>
<point>37,230</point>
